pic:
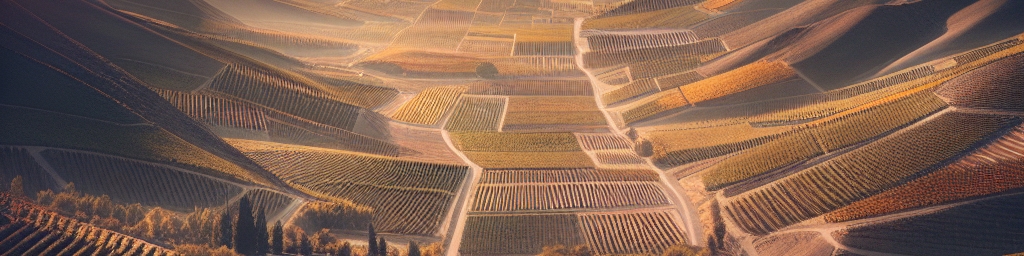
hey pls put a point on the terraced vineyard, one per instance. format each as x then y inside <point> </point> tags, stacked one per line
<point>383,183</point>
<point>513,127</point>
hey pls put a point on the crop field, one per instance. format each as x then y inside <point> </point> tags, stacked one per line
<point>600,59</point>
<point>486,46</point>
<point>565,48</point>
<point>37,231</point>
<point>477,114</point>
<point>518,234</point>
<point>511,197</point>
<point>403,62</point>
<point>866,171</point>
<point>785,150</point>
<point>666,68</point>
<point>849,128</point>
<point>988,226</point>
<point>729,22</point>
<point>15,161</point>
<point>993,168</point>
<point>27,127</point>
<point>615,77</point>
<point>498,176</point>
<point>383,183</point>
<point>515,142</point>
<point>293,98</point>
<point>678,80</point>
<point>429,105</point>
<point>536,112</point>
<point>618,157</point>
<point>637,88</point>
<point>653,105</point>
<point>534,88</point>
<point>132,181</point>
<point>737,80</point>
<point>432,37</point>
<point>648,232</point>
<point>993,86</point>
<point>677,17</point>
<point>270,201</point>
<point>537,66</point>
<point>531,160</point>
<point>279,126</point>
<point>599,141</point>
<point>703,143</point>
<point>717,4</point>
<point>603,42</point>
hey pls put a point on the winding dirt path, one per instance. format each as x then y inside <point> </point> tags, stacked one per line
<point>688,213</point>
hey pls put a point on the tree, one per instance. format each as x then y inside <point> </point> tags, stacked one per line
<point>344,250</point>
<point>277,239</point>
<point>372,243</point>
<point>305,248</point>
<point>224,233</point>
<point>245,229</point>
<point>17,188</point>
<point>382,246</point>
<point>262,237</point>
<point>414,250</point>
<point>643,147</point>
<point>685,250</point>
<point>487,70</point>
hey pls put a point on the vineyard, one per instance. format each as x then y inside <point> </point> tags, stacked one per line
<point>477,114</point>
<point>864,171</point>
<point>637,88</point>
<point>386,184</point>
<point>611,41</point>
<point>32,230</point>
<point>566,176</point>
<point>531,160</point>
<point>510,197</point>
<point>631,233</point>
<point>738,80</point>
<point>704,143</point>
<point>653,105</point>
<point>601,59</point>
<point>429,105</point>
<point>133,181</point>
<point>991,169</point>
<point>16,161</point>
<point>780,152</point>
<point>521,87</point>
<point>518,234</point>
<point>987,226</point>
<point>993,86</point>
<point>676,17</point>
<point>516,142</point>
<point>598,141</point>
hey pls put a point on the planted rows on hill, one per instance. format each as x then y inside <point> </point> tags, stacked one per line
<point>566,175</point>
<point>477,114</point>
<point>558,196</point>
<point>133,181</point>
<point>429,105</point>
<point>16,161</point>
<point>994,168</point>
<point>986,227</point>
<point>534,88</point>
<point>518,234</point>
<point>649,232</point>
<point>600,59</point>
<point>32,230</point>
<point>604,42</point>
<point>863,172</point>
<point>407,197</point>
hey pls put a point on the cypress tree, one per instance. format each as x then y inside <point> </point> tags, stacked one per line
<point>305,248</point>
<point>382,245</point>
<point>224,234</point>
<point>414,249</point>
<point>372,246</point>
<point>262,237</point>
<point>245,229</point>
<point>277,238</point>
